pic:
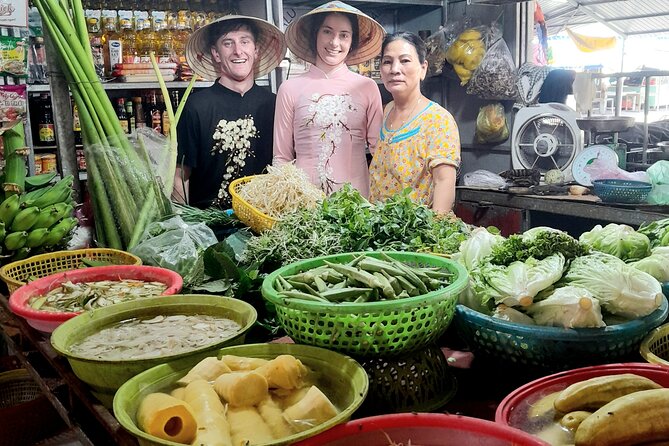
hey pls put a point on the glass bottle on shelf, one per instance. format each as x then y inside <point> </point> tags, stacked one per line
<point>121,114</point>
<point>154,118</point>
<point>128,37</point>
<point>76,125</point>
<point>111,41</point>
<point>140,121</point>
<point>132,123</point>
<point>46,129</point>
<point>93,25</point>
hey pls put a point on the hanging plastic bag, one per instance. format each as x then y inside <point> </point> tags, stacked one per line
<point>467,51</point>
<point>491,126</point>
<point>659,176</point>
<point>439,43</point>
<point>496,77</point>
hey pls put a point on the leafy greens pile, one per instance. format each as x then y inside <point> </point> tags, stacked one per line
<point>346,222</point>
<point>539,243</point>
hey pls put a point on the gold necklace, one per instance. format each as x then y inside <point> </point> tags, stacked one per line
<point>391,136</point>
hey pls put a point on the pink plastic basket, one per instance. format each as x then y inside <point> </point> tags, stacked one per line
<point>425,429</point>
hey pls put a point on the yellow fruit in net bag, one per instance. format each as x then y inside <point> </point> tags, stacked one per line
<point>463,73</point>
<point>456,52</point>
<point>470,34</point>
<point>473,59</point>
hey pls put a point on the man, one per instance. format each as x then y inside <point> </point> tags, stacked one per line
<point>225,131</point>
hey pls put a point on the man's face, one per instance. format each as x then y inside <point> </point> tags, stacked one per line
<point>236,53</point>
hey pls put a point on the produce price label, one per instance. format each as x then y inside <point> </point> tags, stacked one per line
<point>14,13</point>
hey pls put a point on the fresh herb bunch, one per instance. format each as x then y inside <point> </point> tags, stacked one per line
<point>657,231</point>
<point>346,222</point>
<point>538,243</point>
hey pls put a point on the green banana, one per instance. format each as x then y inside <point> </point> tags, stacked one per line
<point>36,236</point>
<point>59,231</point>
<point>25,219</point>
<point>42,180</point>
<point>58,193</point>
<point>3,231</point>
<point>33,195</point>
<point>15,240</point>
<point>21,254</point>
<point>8,209</point>
<point>53,214</point>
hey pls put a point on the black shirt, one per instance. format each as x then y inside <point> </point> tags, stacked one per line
<point>195,133</point>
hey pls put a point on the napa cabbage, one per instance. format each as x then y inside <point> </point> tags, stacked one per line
<point>657,264</point>
<point>620,288</point>
<point>568,307</point>
<point>621,241</point>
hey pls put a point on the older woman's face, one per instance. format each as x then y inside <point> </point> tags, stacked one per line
<point>401,70</point>
<point>334,38</point>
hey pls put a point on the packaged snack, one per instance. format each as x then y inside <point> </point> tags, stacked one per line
<point>13,102</point>
<point>13,56</point>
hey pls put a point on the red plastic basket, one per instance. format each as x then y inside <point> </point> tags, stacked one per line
<point>425,429</point>
<point>47,321</point>
<point>513,409</point>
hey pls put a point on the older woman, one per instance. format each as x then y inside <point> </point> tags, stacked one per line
<point>419,145</point>
<point>327,118</point>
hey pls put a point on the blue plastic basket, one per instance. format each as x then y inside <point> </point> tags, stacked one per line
<point>622,191</point>
<point>553,348</point>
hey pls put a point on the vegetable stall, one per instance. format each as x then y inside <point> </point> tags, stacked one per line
<point>281,319</point>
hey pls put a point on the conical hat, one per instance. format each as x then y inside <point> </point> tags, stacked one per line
<point>370,38</point>
<point>270,44</point>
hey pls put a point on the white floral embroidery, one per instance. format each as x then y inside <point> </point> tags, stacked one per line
<point>329,113</point>
<point>233,137</point>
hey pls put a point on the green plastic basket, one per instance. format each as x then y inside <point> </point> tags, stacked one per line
<point>622,191</point>
<point>340,377</point>
<point>384,328</point>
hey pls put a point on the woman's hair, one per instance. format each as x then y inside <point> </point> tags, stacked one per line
<point>223,27</point>
<point>317,21</point>
<point>408,37</point>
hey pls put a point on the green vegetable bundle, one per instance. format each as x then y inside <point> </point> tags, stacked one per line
<point>364,279</point>
<point>126,195</point>
<point>347,222</point>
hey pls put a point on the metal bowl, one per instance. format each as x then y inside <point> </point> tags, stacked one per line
<point>606,124</point>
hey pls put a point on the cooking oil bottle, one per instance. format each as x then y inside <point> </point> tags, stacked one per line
<point>112,45</point>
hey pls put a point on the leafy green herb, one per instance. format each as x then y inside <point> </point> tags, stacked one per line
<point>538,243</point>
<point>347,222</point>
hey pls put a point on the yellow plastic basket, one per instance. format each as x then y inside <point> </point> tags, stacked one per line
<point>247,214</point>
<point>655,346</point>
<point>17,273</point>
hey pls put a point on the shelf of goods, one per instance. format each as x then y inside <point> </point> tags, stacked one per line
<point>86,420</point>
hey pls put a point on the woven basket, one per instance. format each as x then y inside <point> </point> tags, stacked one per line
<point>17,274</point>
<point>26,414</point>
<point>246,213</point>
<point>622,191</point>
<point>416,382</point>
<point>655,346</point>
<point>383,328</point>
<point>535,348</point>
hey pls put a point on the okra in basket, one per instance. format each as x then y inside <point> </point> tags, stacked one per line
<point>364,279</point>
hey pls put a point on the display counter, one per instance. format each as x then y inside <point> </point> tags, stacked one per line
<point>516,213</point>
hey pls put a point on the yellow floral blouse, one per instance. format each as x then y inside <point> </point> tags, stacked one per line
<point>406,157</point>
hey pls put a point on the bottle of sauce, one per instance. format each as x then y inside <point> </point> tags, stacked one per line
<point>46,129</point>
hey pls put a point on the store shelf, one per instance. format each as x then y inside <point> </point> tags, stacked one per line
<point>40,88</point>
<point>54,147</point>
<point>367,3</point>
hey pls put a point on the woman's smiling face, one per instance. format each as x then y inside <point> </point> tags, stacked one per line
<point>333,41</point>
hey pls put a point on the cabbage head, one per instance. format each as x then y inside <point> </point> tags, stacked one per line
<point>620,288</point>
<point>621,241</point>
<point>476,247</point>
<point>657,264</point>
<point>568,307</point>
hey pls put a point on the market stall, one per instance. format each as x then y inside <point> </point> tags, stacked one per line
<point>308,314</point>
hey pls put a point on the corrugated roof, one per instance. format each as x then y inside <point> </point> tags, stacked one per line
<point>624,17</point>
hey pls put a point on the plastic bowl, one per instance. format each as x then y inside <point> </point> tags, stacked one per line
<point>341,378</point>
<point>106,376</point>
<point>553,348</point>
<point>512,411</point>
<point>425,429</point>
<point>383,328</point>
<point>47,321</point>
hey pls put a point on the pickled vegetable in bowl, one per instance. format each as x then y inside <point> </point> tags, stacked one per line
<point>579,403</point>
